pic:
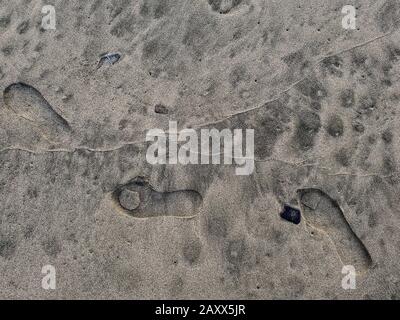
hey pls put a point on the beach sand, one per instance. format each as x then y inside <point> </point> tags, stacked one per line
<point>76,190</point>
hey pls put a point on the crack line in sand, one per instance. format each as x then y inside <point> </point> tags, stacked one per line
<point>295,164</point>
<point>328,237</point>
<point>226,118</point>
<point>72,150</point>
<point>358,45</point>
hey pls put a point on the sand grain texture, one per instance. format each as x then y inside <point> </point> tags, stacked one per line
<point>323,101</point>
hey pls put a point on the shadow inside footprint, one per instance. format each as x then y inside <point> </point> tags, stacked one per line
<point>324,214</point>
<point>138,198</point>
<point>28,103</point>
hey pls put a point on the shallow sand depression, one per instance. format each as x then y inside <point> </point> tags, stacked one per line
<point>76,189</point>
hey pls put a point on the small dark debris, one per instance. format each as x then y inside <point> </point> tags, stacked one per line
<point>291,214</point>
<point>109,58</point>
<point>316,105</point>
<point>161,109</point>
<point>359,127</point>
<point>23,27</point>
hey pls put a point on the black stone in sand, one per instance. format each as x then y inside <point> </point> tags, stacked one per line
<point>291,214</point>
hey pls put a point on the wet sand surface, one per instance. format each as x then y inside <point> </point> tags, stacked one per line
<point>76,190</point>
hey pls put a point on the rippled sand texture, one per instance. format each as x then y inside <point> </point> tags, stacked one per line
<point>76,191</point>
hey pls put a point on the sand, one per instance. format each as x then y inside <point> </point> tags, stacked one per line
<point>76,190</point>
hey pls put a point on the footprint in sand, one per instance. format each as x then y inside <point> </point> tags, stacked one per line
<point>140,200</point>
<point>28,103</point>
<point>325,215</point>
